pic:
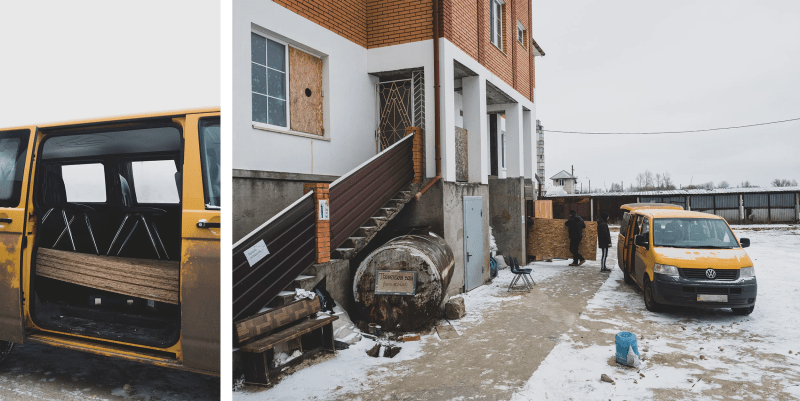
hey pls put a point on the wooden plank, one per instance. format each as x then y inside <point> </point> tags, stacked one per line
<point>263,323</point>
<point>446,332</point>
<point>305,92</point>
<point>291,333</point>
<point>543,209</point>
<point>142,278</point>
<point>548,239</point>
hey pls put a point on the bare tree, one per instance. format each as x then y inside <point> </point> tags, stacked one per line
<point>615,187</point>
<point>747,184</point>
<point>723,184</point>
<point>668,184</point>
<point>783,183</point>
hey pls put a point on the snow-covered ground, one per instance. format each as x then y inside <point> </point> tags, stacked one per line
<point>688,353</point>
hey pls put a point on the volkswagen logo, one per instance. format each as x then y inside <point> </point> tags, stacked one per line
<point>710,273</point>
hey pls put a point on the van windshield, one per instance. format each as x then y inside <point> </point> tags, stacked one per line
<point>693,233</point>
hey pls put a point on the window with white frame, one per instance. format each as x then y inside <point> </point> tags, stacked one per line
<point>521,34</point>
<point>269,80</point>
<point>496,14</point>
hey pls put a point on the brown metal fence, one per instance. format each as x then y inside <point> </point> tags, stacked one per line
<point>289,239</point>
<point>355,197</point>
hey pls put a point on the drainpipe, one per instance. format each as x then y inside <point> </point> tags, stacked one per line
<point>436,113</point>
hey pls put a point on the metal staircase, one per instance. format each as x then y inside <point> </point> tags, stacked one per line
<point>362,202</point>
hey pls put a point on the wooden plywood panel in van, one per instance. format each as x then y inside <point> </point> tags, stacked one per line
<point>305,92</point>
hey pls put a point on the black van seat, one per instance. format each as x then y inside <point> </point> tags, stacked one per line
<point>142,278</point>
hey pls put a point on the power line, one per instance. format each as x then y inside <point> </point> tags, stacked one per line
<point>670,132</point>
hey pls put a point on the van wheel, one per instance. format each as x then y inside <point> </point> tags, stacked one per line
<point>5,349</point>
<point>628,277</point>
<point>743,311</point>
<point>649,298</point>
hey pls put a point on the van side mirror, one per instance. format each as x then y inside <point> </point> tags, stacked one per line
<point>745,242</point>
<point>642,240</point>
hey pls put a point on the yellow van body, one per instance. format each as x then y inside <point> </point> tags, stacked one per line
<point>195,243</point>
<point>686,258</point>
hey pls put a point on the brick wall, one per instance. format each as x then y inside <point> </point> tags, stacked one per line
<point>465,23</point>
<point>394,22</point>
<point>348,18</point>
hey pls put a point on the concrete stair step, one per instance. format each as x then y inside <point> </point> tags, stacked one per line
<point>344,253</point>
<point>283,298</point>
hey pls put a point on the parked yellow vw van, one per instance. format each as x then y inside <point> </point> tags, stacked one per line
<point>109,237</point>
<point>679,257</point>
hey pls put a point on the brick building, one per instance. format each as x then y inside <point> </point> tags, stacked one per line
<point>319,86</point>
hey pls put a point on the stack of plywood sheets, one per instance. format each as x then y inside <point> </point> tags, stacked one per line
<point>549,239</point>
<point>142,278</point>
<point>543,209</point>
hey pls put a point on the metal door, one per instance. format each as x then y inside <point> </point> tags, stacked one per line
<point>16,148</point>
<point>200,272</point>
<point>473,242</point>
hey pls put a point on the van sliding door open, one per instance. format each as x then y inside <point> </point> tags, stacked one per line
<point>15,150</point>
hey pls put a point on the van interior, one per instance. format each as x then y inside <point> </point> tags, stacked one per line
<point>108,245</point>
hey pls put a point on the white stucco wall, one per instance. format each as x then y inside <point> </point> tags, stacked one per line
<point>349,97</point>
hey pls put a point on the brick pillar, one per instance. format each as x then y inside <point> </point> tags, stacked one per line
<point>416,146</point>
<point>323,232</point>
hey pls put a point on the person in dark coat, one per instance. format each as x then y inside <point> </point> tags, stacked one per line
<point>603,240</point>
<point>575,225</point>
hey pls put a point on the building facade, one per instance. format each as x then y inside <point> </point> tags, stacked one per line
<point>321,86</point>
<point>565,180</point>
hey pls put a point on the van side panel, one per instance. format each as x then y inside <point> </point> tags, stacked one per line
<point>13,228</point>
<point>200,262</point>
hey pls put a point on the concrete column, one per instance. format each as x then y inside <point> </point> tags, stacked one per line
<point>475,122</point>
<point>448,112</point>
<point>529,140</point>
<point>688,202</point>
<point>515,146</point>
<point>741,207</point>
<point>797,205</point>
<point>591,208</point>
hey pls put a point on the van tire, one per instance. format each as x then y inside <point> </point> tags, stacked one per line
<point>743,311</point>
<point>649,299</point>
<point>5,349</point>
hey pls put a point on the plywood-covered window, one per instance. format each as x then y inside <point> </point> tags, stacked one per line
<point>305,92</point>
<point>286,85</point>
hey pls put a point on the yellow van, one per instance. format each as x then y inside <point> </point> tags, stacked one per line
<point>679,257</point>
<point>109,237</point>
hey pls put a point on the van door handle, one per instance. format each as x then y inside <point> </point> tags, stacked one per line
<point>204,224</point>
<point>5,220</point>
<point>468,255</point>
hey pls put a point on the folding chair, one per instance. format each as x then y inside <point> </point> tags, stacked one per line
<point>518,272</point>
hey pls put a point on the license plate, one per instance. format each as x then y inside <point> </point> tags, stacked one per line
<point>711,298</point>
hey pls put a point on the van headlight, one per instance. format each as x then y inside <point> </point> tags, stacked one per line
<point>666,269</point>
<point>748,271</point>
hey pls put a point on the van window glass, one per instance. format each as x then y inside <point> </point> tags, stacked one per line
<point>624,226</point>
<point>693,233</point>
<point>13,150</point>
<point>154,181</point>
<point>84,182</point>
<point>637,225</point>
<point>645,227</point>
<point>210,159</point>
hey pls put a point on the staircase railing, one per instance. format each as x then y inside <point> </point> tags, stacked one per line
<point>290,241</point>
<point>357,195</point>
<point>289,237</point>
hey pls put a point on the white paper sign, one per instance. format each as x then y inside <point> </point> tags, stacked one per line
<point>324,210</point>
<point>256,252</point>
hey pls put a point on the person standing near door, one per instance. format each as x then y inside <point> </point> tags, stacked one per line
<point>575,225</point>
<point>603,240</point>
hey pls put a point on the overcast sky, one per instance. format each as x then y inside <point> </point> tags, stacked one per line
<point>638,66</point>
<point>65,60</point>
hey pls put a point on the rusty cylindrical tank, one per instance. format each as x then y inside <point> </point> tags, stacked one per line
<point>430,257</point>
